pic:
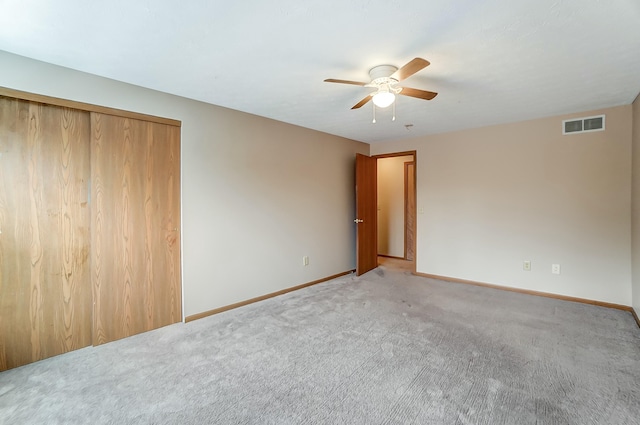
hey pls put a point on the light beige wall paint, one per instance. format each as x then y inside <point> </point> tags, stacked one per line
<point>391,205</point>
<point>635,226</point>
<point>496,196</point>
<point>257,194</point>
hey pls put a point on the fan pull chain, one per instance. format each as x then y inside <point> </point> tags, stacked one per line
<point>374,112</point>
<point>394,112</point>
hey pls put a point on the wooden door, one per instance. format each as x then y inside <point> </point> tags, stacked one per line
<point>135,187</point>
<point>45,291</point>
<point>409,210</point>
<point>366,208</point>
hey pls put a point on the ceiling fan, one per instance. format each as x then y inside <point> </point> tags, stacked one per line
<point>385,79</point>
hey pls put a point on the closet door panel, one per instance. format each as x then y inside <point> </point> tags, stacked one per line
<point>45,289</point>
<point>135,169</point>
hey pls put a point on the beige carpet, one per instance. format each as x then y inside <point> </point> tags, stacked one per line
<point>384,348</point>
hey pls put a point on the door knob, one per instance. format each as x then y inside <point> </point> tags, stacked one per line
<point>357,220</point>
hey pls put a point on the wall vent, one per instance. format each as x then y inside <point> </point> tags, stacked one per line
<point>583,125</point>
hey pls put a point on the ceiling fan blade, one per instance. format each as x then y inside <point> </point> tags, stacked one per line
<point>355,83</point>
<point>410,68</point>
<point>362,102</point>
<point>420,94</point>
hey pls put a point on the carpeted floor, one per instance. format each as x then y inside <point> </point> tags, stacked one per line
<point>383,348</point>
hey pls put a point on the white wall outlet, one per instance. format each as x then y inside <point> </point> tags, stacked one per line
<point>526,266</point>
<point>421,210</point>
<point>555,268</point>
<point>305,260</point>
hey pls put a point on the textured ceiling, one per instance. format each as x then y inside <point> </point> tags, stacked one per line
<point>492,61</point>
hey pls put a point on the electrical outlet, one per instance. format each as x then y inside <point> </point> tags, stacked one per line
<point>526,266</point>
<point>555,268</point>
<point>305,260</point>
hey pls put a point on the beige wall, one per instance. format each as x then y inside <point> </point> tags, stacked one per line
<point>257,194</point>
<point>635,226</point>
<point>496,196</point>
<point>391,205</point>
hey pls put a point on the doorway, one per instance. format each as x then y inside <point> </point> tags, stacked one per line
<point>396,206</point>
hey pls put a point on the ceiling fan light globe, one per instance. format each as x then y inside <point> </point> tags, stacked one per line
<point>383,99</point>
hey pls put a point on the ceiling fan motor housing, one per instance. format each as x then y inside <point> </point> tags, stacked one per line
<point>382,71</point>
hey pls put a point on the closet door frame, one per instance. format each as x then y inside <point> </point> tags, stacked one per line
<point>86,107</point>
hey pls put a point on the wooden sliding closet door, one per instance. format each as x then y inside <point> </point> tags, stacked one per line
<point>135,185</point>
<point>45,291</point>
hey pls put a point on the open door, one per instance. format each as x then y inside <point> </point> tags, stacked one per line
<point>366,208</point>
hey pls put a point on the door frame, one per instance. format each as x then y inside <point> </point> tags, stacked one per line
<point>415,193</point>
<point>408,210</point>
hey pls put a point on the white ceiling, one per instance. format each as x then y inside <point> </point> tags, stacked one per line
<point>492,61</point>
